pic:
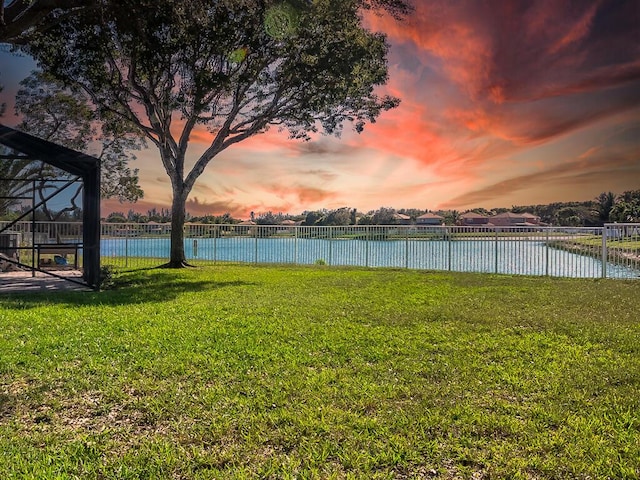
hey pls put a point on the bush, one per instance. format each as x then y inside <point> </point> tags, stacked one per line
<point>107,274</point>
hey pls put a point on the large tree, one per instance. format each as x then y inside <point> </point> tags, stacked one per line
<point>235,67</point>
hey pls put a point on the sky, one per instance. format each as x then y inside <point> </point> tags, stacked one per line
<point>502,103</point>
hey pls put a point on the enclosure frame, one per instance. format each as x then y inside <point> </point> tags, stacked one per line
<point>84,167</point>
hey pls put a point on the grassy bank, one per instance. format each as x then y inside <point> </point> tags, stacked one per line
<point>620,252</point>
<point>310,372</point>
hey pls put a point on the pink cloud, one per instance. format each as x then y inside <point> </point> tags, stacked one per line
<point>578,31</point>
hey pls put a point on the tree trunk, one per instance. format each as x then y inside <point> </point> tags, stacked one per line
<point>178,216</point>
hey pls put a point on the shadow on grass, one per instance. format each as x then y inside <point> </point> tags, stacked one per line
<point>126,290</point>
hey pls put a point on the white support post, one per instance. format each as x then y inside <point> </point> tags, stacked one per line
<point>604,251</point>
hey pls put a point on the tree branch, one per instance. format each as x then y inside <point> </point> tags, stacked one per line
<point>20,16</point>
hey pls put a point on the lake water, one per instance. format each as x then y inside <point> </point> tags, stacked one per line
<point>508,256</point>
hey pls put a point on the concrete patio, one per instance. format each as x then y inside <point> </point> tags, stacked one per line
<point>24,282</point>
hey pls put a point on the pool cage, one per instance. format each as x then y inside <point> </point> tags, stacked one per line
<point>36,251</point>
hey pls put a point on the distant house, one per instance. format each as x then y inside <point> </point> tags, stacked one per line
<point>288,226</point>
<point>401,219</point>
<point>429,219</point>
<point>471,219</point>
<point>159,228</point>
<point>246,227</point>
<point>154,228</point>
<point>510,219</point>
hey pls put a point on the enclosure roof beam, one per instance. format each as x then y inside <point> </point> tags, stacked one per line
<point>36,148</point>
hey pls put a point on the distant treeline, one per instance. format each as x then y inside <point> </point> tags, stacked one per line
<point>606,207</point>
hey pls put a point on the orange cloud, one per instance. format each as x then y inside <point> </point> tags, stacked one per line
<point>589,171</point>
<point>303,194</point>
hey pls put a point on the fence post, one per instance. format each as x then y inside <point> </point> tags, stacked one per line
<point>546,254</point>
<point>496,255</point>
<point>366,258</point>
<point>406,248</point>
<point>330,232</point>
<point>216,232</point>
<point>295,245</point>
<point>126,247</point>
<point>33,232</point>
<point>604,251</point>
<point>255,256</point>
<point>449,238</point>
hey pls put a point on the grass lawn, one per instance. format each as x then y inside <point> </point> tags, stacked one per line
<point>237,372</point>
<point>628,243</point>
<point>623,252</point>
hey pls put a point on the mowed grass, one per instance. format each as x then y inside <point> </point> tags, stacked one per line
<point>242,372</point>
<point>627,243</point>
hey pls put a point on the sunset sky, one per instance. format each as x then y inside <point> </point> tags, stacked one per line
<point>503,103</point>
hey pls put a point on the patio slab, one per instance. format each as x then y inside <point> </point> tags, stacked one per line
<point>24,282</point>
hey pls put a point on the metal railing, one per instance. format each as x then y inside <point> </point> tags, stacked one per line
<point>621,246</point>
<point>612,251</point>
<point>35,244</point>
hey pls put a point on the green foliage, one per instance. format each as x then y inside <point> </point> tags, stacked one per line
<point>162,216</point>
<point>571,216</point>
<point>627,207</point>
<point>107,277</point>
<point>339,217</point>
<point>56,113</point>
<point>281,20</point>
<point>269,218</point>
<point>241,372</point>
<point>327,218</point>
<point>607,207</point>
<point>313,218</point>
<point>116,217</point>
<point>451,217</point>
<point>225,218</point>
<point>383,216</point>
<point>605,202</point>
<point>21,20</point>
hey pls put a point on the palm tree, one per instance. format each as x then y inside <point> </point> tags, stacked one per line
<point>606,201</point>
<point>452,217</point>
